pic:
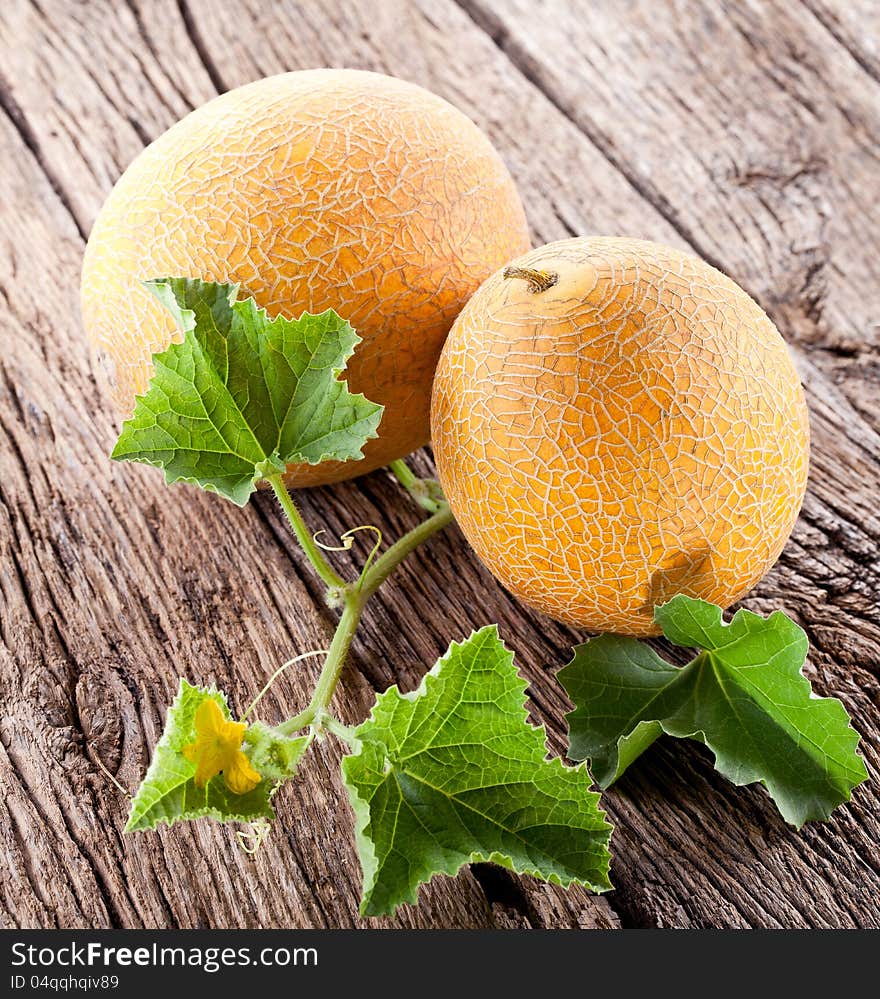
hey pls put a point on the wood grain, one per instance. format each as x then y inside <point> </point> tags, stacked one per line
<point>745,132</point>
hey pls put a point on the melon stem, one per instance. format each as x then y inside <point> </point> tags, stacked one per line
<point>538,281</point>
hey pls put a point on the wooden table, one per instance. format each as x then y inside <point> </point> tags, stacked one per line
<point>746,132</point>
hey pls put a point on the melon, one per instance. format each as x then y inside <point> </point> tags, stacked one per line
<point>312,190</point>
<point>615,422</point>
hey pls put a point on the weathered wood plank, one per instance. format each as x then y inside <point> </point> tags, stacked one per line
<point>121,584</point>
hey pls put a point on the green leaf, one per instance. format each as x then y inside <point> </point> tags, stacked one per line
<point>454,774</point>
<point>743,695</point>
<point>168,792</point>
<point>243,395</point>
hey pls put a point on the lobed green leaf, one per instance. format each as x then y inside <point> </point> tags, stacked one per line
<point>241,396</point>
<point>454,773</point>
<point>744,695</point>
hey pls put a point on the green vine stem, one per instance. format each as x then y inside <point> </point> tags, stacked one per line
<point>313,552</point>
<point>354,596</point>
<point>332,669</point>
<point>386,563</point>
<point>276,674</point>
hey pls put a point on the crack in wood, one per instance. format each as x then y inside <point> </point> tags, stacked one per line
<point>825,20</point>
<point>198,43</point>
<point>20,123</point>
<point>134,7</point>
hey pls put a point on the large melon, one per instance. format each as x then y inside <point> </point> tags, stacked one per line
<point>313,190</point>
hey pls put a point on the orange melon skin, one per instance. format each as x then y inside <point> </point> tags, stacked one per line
<point>635,431</point>
<point>313,190</point>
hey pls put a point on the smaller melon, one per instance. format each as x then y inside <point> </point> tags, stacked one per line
<point>615,422</point>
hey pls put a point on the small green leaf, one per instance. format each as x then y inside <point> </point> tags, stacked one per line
<point>454,773</point>
<point>744,696</point>
<point>168,792</point>
<point>243,395</point>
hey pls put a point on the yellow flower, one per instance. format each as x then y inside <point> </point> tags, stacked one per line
<point>218,749</point>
